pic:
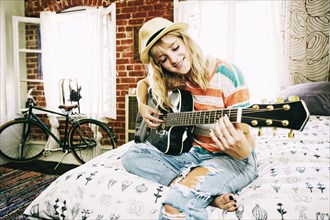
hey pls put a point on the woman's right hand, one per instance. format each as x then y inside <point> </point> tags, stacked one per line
<point>150,116</point>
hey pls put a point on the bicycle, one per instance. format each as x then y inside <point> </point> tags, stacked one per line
<point>24,139</point>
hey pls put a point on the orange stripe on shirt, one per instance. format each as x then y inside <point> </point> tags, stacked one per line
<point>240,96</point>
<point>201,107</point>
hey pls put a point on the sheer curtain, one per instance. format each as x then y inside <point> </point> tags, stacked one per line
<point>75,46</point>
<point>243,32</point>
<point>306,30</point>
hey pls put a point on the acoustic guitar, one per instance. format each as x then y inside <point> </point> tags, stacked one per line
<point>174,137</point>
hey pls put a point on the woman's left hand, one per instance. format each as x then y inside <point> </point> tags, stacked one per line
<point>230,138</point>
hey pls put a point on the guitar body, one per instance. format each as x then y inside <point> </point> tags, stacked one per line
<point>173,140</point>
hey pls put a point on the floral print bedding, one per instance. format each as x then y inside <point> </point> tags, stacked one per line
<point>293,183</point>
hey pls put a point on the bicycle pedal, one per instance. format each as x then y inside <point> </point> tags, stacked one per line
<point>46,153</point>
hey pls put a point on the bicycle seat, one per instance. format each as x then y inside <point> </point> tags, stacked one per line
<point>67,107</point>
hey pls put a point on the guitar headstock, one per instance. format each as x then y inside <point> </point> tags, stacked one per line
<point>291,115</point>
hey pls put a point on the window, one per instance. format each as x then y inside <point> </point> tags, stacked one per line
<point>78,44</point>
<point>243,32</point>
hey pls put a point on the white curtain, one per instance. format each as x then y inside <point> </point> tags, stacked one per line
<point>306,30</point>
<point>49,58</point>
<point>245,33</point>
<point>76,45</point>
<point>73,48</point>
<point>78,56</point>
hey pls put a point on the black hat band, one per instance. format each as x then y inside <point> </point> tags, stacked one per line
<point>153,36</point>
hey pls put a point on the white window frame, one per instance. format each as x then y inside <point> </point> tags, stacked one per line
<point>17,61</point>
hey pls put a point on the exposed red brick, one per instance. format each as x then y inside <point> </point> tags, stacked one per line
<point>128,10</point>
<point>128,80</point>
<point>126,41</point>
<point>140,15</point>
<point>135,74</point>
<point>136,2</point>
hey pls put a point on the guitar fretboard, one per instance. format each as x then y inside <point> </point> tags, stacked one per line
<point>200,117</point>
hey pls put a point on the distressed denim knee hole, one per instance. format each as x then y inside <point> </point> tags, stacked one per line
<point>171,212</point>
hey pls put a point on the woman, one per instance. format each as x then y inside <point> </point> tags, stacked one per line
<point>222,160</point>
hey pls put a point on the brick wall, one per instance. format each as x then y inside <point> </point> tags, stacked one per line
<point>129,14</point>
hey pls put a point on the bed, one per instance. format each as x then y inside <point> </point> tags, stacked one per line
<point>293,181</point>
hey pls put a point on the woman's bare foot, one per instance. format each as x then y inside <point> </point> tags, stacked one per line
<point>226,202</point>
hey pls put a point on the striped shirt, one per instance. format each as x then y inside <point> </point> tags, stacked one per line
<point>227,89</point>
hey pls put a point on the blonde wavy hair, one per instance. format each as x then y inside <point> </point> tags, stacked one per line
<point>162,81</point>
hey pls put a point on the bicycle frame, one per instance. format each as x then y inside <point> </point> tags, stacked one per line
<point>27,138</point>
<point>31,115</point>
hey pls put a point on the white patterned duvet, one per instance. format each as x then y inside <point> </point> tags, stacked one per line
<point>293,183</point>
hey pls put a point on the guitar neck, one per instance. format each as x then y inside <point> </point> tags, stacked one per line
<point>291,115</point>
<point>200,117</point>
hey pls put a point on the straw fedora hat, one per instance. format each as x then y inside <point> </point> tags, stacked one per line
<point>152,31</point>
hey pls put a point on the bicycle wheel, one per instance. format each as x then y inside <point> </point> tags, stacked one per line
<point>89,138</point>
<point>22,140</point>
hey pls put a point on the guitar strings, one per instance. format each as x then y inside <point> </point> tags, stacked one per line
<point>184,114</point>
<point>215,114</point>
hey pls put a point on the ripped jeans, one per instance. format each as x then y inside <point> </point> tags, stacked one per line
<point>225,175</point>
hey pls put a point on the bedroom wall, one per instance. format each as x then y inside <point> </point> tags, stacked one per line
<point>8,8</point>
<point>130,14</point>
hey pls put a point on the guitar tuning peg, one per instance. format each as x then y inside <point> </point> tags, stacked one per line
<point>259,132</point>
<point>291,134</point>
<point>293,98</point>
<point>279,100</point>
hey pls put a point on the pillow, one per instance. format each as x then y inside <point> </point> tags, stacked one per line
<point>316,95</point>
